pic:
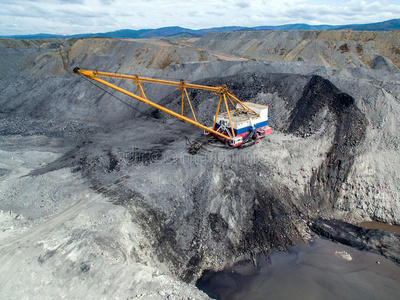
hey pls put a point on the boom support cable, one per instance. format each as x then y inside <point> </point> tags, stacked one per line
<point>119,99</point>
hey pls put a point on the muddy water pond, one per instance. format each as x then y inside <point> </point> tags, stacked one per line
<point>318,270</point>
<point>381,226</point>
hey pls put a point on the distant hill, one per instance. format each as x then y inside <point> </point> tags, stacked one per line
<point>296,27</point>
<point>160,32</point>
<point>185,32</point>
<point>381,26</point>
<point>35,36</point>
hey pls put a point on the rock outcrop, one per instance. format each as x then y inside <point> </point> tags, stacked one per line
<point>339,49</point>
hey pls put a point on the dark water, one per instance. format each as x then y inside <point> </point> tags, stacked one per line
<point>319,270</point>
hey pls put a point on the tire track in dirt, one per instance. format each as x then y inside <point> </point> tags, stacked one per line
<point>13,250</point>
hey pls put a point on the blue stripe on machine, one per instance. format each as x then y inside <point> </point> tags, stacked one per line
<point>246,129</point>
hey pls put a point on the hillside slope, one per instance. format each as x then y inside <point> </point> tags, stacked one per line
<point>339,49</point>
<point>388,25</point>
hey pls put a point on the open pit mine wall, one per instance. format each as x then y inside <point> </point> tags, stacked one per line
<point>49,63</point>
<point>38,74</point>
<point>334,152</point>
<point>37,81</point>
<point>339,49</point>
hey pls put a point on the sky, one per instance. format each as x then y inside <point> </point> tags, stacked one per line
<point>94,16</point>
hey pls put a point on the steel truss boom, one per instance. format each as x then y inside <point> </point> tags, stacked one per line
<point>222,91</point>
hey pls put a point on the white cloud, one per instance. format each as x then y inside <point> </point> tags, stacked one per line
<point>352,12</point>
<point>243,4</point>
<point>80,16</point>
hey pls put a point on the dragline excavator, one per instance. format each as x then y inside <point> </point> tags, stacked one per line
<point>245,122</point>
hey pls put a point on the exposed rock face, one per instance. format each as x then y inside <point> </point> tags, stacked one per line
<point>333,153</point>
<point>384,242</point>
<point>340,49</point>
<point>133,54</point>
<point>321,97</point>
<point>383,64</point>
